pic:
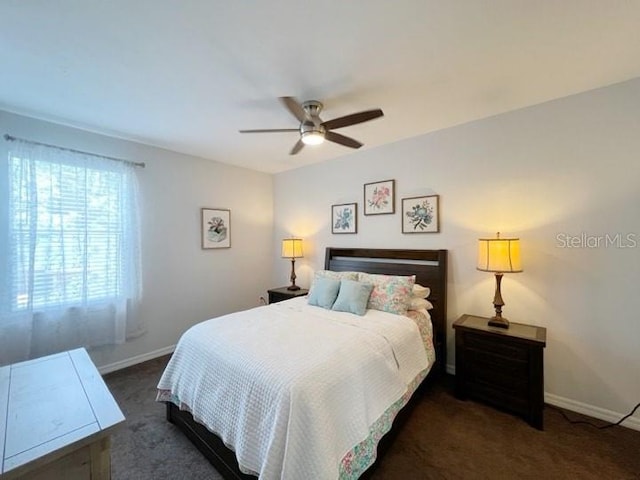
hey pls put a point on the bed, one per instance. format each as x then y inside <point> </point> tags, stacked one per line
<point>429,268</point>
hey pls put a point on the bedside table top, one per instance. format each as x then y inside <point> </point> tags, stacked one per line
<point>292,293</point>
<point>522,331</point>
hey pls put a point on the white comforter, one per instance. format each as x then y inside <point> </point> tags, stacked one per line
<point>291,387</point>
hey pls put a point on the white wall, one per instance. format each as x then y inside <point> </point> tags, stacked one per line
<point>569,166</point>
<point>182,284</point>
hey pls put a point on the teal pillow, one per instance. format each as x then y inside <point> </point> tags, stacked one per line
<point>324,293</point>
<point>353,297</point>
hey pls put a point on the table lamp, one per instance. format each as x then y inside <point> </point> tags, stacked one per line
<point>292,248</point>
<point>499,255</point>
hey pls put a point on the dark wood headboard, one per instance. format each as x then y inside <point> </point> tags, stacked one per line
<point>429,267</point>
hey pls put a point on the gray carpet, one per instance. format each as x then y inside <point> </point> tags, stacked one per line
<point>147,446</point>
<point>443,439</point>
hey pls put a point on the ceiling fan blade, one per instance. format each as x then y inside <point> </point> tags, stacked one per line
<point>270,130</point>
<point>352,119</point>
<point>297,147</point>
<point>294,107</point>
<point>342,140</point>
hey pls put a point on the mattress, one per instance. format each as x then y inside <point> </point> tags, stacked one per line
<point>298,391</point>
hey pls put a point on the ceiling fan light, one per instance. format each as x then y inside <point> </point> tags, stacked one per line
<point>312,138</point>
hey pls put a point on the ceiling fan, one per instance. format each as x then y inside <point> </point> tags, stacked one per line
<point>313,131</point>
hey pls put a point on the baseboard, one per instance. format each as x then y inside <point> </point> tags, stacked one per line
<point>595,412</point>
<point>579,407</point>
<point>128,362</point>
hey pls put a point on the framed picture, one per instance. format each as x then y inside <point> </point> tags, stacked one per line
<point>344,218</point>
<point>420,214</point>
<point>379,197</point>
<point>216,228</point>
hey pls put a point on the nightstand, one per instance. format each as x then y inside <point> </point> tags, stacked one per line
<point>279,294</point>
<point>503,367</point>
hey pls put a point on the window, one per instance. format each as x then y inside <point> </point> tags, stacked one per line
<point>72,245</point>
<point>77,222</point>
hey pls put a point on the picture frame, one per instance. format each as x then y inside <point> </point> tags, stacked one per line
<point>421,214</point>
<point>379,197</point>
<point>215,228</point>
<point>344,218</point>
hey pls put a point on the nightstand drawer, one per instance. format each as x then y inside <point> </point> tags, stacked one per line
<point>512,351</point>
<point>510,382</point>
<point>498,396</point>
<point>496,364</point>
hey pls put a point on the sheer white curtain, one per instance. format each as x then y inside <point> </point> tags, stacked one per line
<point>71,252</point>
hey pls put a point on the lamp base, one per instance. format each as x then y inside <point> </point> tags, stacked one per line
<point>498,322</point>
<point>498,303</point>
<point>293,285</point>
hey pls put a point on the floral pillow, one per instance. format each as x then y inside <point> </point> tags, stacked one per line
<point>390,293</point>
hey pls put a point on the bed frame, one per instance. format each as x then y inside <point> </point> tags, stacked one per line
<point>430,269</point>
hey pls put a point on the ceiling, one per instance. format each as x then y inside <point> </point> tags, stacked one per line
<point>187,75</point>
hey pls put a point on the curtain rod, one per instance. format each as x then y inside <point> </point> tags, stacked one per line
<point>10,138</point>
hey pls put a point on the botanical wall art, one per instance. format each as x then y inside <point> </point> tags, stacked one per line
<point>379,198</point>
<point>420,214</point>
<point>216,229</point>
<point>344,218</point>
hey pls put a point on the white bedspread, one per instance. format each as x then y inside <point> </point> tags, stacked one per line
<point>291,388</point>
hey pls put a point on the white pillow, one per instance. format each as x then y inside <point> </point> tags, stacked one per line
<point>417,303</point>
<point>420,291</point>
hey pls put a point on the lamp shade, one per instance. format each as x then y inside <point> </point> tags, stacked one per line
<point>292,248</point>
<point>500,255</point>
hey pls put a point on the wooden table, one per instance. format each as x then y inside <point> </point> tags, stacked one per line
<point>56,417</point>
